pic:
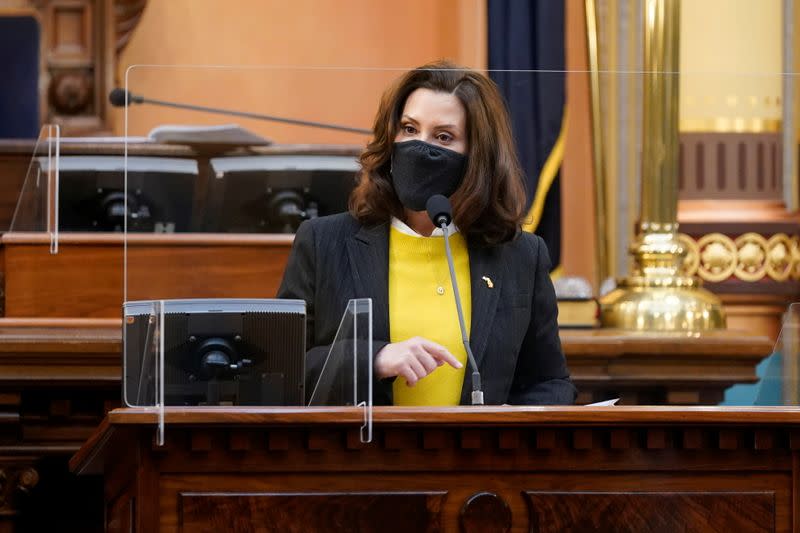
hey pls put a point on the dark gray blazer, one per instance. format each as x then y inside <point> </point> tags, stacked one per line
<point>513,335</point>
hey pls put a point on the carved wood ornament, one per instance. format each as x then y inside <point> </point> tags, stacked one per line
<point>81,41</point>
<point>16,482</point>
<point>751,257</point>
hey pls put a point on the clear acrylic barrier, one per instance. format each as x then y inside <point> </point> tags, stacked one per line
<point>778,373</point>
<point>143,358</point>
<point>37,208</point>
<point>256,182</point>
<point>346,375</point>
<point>214,352</point>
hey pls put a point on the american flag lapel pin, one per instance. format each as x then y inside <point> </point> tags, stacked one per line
<point>488,281</point>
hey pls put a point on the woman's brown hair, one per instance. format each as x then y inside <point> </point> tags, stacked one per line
<point>489,205</point>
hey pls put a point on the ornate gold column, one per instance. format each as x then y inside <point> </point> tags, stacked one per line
<point>656,296</point>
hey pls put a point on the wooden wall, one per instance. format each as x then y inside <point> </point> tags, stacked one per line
<point>302,33</point>
<point>327,33</point>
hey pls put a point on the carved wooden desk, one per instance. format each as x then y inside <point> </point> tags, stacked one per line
<point>56,383</point>
<point>450,469</point>
<point>659,369</point>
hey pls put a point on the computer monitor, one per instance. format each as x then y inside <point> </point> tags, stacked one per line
<point>159,197</point>
<point>275,193</point>
<point>215,352</point>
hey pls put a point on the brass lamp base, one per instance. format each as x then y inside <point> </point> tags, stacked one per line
<point>670,305</point>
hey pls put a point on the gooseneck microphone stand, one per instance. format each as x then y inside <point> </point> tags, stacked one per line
<point>440,212</point>
<point>122,98</point>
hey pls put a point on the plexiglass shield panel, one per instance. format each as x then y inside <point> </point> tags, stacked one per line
<point>143,335</point>
<point>778,382</point>
<point>213,352</point>
<point>344,369</point>
<point>597,179</point>
<point>37,208</point>
<point>216,352</point>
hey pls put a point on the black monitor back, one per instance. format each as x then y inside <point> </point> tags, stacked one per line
<point>160,193</point>
<point>216,352</point>
<point>275,193</point>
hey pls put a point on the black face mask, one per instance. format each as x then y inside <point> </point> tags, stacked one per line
<point>420,170</point>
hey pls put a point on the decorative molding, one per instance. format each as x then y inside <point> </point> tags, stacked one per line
<point>730,166</point>
<point>127,14</point>
<point>16,483</point>
<point>81,41</point>
<point>71,92</point>
<point>542,444</point>
<point>750,257</point>
<point>485,512</point>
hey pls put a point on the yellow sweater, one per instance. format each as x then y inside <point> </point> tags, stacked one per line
<point>421,304</point>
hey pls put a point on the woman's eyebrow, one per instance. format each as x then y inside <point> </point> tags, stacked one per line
<point>437,126</point>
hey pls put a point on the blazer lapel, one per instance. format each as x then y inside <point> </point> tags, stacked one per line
<point>368,252</point>
<point>485,275</point>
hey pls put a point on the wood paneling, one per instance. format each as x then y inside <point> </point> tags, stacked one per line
<point>55,387</point>
<point>590,478</point>
<point>319,511</point>
<point>746,512</point>
<point>485,512</point>
<point>72,32</point>
<point>120,515</point>
<point>80,281</point>
<point>85,279</point>
<point>52,397</point>
<point>13,169</point>
<point>299,34</point>
<point>642,369</point>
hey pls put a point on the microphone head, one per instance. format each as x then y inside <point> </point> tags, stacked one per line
<point>120,98</point>
<point>439,210</point>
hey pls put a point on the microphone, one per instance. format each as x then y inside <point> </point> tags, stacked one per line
<point>439,210</point>
<point>123,98</point>
<point>441,213</point>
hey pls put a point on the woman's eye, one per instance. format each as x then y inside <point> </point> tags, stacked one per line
<point>444,138</point>
<point>409,130</point>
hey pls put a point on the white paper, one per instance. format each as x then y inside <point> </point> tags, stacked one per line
<point>605,403</point>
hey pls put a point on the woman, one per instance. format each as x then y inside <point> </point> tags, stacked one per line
<point>440,129</point>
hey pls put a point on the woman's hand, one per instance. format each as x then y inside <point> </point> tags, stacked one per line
<point>412,359</point>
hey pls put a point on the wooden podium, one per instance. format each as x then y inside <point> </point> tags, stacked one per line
<point>540,469</point>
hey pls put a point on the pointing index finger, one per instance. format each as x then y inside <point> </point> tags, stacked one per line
<point>440,353</point>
